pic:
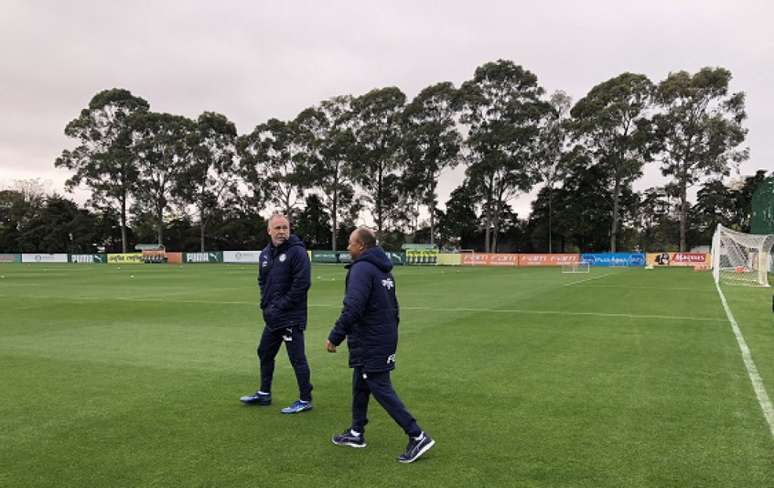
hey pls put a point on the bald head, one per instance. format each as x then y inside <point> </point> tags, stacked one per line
<point>366,236</point>
<point>361,239</point>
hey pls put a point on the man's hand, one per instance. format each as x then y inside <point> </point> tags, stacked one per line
<point>329,346</point>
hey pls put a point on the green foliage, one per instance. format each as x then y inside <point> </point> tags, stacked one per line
<point>102,161</point>
<point>312,224</point>
<point>273,163</point>
<point>612,122</point>
<point>377,152</point>
<point>699,130</point>
<point>377,132</point>
<point>161,148</point>
<point>325,135</point>
<point>459,224</point>
<point>503,109</point>
<point>210,174</point>
<point>431,143</point>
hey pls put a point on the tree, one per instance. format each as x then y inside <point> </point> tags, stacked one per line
<point>60,226</point>
<point>272,163</point>
<point>699,130</point>
<point>431,142</point>
<point>211,173</point>
<point>459,224</point>
<point>587,227</point>
<point>612,122</point>
<point>377,139</point>
<point>551,162</point>
<point>18,207</point>
<point>102,161</point>
<point>325,135</point>
<point>503,110</point>
<point>312,224</point>
<point>715,204</point>
<point>654,219</point>
<point>238,225</point>
<point>160,146</point>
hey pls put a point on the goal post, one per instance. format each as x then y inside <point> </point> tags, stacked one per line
<point>578,267</point>
<point>741,259</point>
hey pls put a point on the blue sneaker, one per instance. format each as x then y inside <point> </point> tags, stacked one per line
<point>297,407</point>
<point>259,398</point>
<point>347,438</point>
<point>416,447</point>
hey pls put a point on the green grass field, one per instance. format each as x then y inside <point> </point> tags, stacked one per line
<point>526,377</point>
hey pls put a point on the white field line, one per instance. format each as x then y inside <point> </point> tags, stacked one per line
<point>589,279</point>
<point>749,364</point>
<point>423,309</point>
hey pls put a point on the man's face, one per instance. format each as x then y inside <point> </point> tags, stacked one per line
<point>279,230</point>
<point>355,247</point>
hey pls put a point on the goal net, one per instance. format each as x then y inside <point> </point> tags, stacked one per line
<point>741,259</point>
<point>581,267</point>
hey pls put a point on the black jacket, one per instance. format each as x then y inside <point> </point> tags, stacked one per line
<point>370,317</point>
<point>283,276</point>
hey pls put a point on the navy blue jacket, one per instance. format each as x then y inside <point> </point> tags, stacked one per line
<point>283,276</point>
<point>370,317</point>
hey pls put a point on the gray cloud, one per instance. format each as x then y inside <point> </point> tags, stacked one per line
<point>256,60</point>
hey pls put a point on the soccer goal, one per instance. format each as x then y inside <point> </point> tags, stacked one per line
<point>581,267</point>
<point>741,259</point>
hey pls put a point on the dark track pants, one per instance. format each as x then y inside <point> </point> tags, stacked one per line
<point>379,385</point>
<point>294,343</point>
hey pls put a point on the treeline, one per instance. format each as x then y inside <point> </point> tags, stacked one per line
<point>198,184</point>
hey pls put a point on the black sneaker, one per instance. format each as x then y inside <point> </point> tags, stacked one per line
<point>416,447</point>
<point>258,399</point>
<point>347,438</point>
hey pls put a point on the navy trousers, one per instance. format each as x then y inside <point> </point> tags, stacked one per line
<point>379,385</point>
<point>294,343</point>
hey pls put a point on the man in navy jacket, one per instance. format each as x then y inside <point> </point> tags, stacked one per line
<point>369,322</point>
<point>283,277</point>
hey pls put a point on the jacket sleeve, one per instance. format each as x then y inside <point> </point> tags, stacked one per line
<point>355,301</point>
<point>261,277</point>
<point>300,283</point>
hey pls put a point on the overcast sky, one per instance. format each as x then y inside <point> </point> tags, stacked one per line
<point>253,60</point>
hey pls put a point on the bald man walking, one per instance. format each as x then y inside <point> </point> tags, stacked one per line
<point>369,322</point>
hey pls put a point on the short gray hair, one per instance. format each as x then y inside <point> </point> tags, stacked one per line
<point>367,237</point>
<point>277,215</point>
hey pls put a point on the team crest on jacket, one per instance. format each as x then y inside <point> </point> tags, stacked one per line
<point>388,283</point>
<point>282,257</point>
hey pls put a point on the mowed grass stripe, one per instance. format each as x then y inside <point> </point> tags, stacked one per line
<point>144,393</point>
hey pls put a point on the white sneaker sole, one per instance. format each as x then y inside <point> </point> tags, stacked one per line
<point>419,454</point>
<point>349,444</point>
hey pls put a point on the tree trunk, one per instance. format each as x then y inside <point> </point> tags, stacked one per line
<point>488,213</point>
<point>123,225</point>
<point>550,246</point>
<point>614,229</point>
<point>489,216</point>
<point>201,229</point>
<point>496,226</point>
<point>432,222</point>
<point>334,220</point>
<point>379,202</point>
<point>160,217</point>
<point>683,213</point>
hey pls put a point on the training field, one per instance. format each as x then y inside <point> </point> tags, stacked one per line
<point>525,377</point>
